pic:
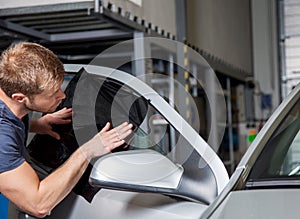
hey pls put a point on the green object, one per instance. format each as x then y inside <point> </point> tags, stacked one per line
<point>252,135</point>
<point>251,138</point>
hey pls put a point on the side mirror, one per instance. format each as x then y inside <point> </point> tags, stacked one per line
<point>149,171</point>
<point>136,170</point>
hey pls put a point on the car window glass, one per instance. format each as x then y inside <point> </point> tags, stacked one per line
<point>280,157</point>
<point>291,164</point>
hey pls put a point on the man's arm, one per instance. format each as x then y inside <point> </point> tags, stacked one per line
<point>22,185</point>
<point>38,198</point>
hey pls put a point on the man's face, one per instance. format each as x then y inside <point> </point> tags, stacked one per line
<point>47,101</point>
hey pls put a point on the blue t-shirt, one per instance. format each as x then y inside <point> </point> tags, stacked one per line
<point>13,135</point>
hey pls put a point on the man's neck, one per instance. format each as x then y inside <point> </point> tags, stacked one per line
<point>17,108</point>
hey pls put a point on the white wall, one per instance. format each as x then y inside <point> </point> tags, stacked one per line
<point>243,33</point>
<point>222,28</point>
<point>265,53</point>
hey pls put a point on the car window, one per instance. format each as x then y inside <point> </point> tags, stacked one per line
<point>154,133</point>
<point>291,164</point>
<point>158,134</point>
<point>115,102</point>
<point>280,158</point>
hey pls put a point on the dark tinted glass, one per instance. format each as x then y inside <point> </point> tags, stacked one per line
<point>280,158</point>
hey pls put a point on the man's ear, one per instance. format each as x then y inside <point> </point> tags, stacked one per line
<point>20,97</point>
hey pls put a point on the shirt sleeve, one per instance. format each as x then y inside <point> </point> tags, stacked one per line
<point>11,146</point>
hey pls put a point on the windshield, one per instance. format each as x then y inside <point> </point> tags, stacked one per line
<point>279,162</point>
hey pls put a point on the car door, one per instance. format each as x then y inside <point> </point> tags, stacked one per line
<point>165,169</point>
<point>266,183</point>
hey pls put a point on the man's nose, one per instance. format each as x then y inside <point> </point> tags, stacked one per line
<point>62,94</point>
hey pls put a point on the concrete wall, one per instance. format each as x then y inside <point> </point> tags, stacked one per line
<point>222,28</point>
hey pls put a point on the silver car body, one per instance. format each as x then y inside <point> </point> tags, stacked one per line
<point>234,200</point>
<point>262,199</point>
<point>120,202</point>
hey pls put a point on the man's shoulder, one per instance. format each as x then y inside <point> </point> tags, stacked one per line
<point>11,142</point>
<point>7,118</point>
<point>4,111</point>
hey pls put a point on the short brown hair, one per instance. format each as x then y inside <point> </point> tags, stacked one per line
<point>29,68</point>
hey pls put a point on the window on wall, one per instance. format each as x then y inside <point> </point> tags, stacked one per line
<point>289,29</point>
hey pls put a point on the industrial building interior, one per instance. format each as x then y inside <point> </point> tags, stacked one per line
<point>251,45</point>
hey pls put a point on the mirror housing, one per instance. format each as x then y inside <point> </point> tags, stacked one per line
<point>136,170</point>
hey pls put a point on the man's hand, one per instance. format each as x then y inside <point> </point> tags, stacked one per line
<point>106,140</point>
<point>44,124</point>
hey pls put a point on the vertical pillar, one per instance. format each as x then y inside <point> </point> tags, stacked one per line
<point>212,113</point>
<point>139,66</point>
<point>282,57</point>
<point>229,119</point>
<point>171,97</point>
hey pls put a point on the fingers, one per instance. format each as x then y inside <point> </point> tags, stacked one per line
<point>123,130</point>
<point>124,133</point>
<point>116,144</point>
<point>60,117</point>
<point>115,137</point>
<point>107,140</point>
<point>54,135</point>
<point>105,128</point>
<point>62,121</point>
<point>63,113</point>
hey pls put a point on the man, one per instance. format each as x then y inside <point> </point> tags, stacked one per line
<point>30,80</point>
